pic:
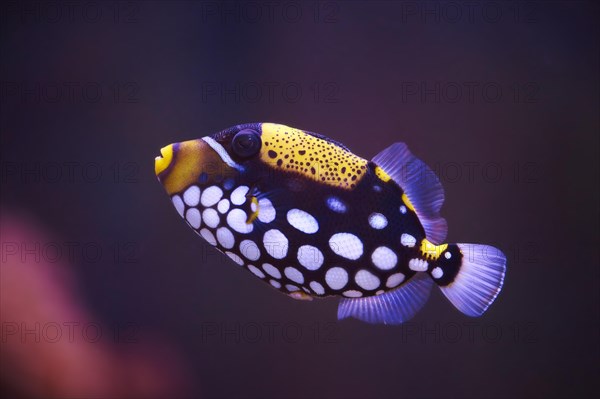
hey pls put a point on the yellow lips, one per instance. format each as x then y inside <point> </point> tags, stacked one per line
<point>181,164</point>
<point>162,162</point>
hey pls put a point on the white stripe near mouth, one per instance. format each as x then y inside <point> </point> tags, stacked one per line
<point>222,153</point>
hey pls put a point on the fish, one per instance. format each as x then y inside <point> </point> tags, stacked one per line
<point>310,218</point>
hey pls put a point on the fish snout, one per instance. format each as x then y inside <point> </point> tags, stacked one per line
<point>189,162</point>
<point>164,160</point>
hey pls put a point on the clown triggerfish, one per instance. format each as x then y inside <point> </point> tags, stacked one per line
<point>310,218</point>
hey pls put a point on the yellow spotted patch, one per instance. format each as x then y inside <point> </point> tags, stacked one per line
<point>294,151</point>
<point>430,250</point>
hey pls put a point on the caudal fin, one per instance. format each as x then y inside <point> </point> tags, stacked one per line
<point>470,276</point>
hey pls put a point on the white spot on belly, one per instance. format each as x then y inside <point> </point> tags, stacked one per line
<point>317,288</point>
<point>310,257</point>
<point>336,278</point>
<point>225,237</point>
<point>275,284</point>
<point>249,249</point>
<point>223,206</point>
<point>238,196</point>
<point>192,196</point>
<point>276,244</point>
<point>211,196</point>
<point>377,221</point>
<point>346,245</point>
<point>367,280</point>
<point>235,258</point>
<point>256,271</point>
<point>236,219</point>
<point>437,272</point>
<point>352,294</point>
<point>303,221</point>
<point>266,212</point>
<point>394,280</point>
<point>336,205</point>
<point>294,274</point>
<point>407,240</point>
<point>271,270</point>
<point>193,217</point>
<point>178,203</point>
<point>211,218</point>
<point>291,287</point>
<point>384,258</point>
<point>417,265</point>
<point>208,236</point>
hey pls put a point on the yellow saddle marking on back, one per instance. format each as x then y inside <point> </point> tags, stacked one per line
<point>294,151</point>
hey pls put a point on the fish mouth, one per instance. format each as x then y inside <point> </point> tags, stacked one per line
<point>182,164</point>
<point>164,160</point>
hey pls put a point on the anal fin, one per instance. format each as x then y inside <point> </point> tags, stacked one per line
<point>392,307</point>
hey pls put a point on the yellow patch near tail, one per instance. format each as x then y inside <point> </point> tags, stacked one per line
<point>294,151</point>
<point>430,250</point>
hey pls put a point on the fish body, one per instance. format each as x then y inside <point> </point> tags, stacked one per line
<point>310,218</point>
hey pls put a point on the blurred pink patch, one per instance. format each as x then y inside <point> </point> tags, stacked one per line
<point>52,346</point>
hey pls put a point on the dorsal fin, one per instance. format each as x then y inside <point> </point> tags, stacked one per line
<point>421,186</point>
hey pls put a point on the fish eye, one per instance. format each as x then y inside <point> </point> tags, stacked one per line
<point>246,143</point>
